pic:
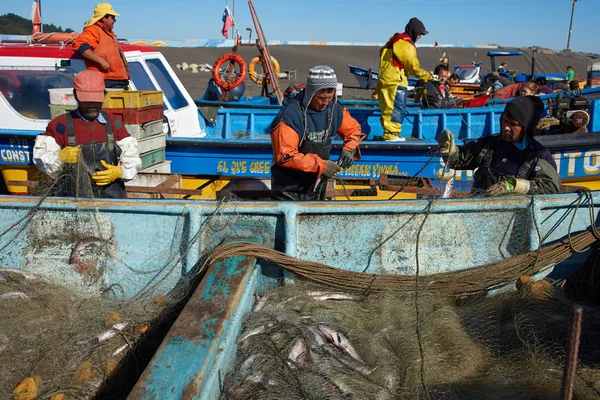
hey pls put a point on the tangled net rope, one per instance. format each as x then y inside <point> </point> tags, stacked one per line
<point>465,281</point>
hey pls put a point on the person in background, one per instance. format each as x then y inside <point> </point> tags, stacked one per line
<point>90,136</point>
<point>494,81</point>
<point>398,59</point>
<point>99,46</point>
<point>510,163</point>
<point>570,73</point>
<point>453,80</point>
<point>302,134</point>
<point>503,68</point>
<point>529,89</point>
<point>543,87</point>
<point>573,85</point>
<point>436,93</point>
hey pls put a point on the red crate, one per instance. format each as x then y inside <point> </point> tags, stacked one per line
<point>138,115</point>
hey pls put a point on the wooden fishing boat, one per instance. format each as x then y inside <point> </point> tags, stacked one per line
<point>200,347</point>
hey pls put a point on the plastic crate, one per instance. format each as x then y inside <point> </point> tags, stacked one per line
<point>152,143</point>
<point>160,168</point>
<point>64,96</point>
<point>140,131</point>
<point>60,109</point>
<point>137,115</point>
<point>152,157</point>
<point>133,99</point>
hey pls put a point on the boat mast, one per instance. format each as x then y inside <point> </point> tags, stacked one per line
<point>571,24</point>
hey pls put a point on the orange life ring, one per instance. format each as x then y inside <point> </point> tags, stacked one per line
<point>53,37</point>
<point>231,57</point>
<point>259,79</point>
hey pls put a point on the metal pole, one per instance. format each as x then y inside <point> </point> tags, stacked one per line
<point>571,24</point>
<point>233,27</point>
<point>572,353</point>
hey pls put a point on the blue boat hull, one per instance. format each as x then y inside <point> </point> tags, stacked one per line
<point>200,348</point>
<point>237,144</point>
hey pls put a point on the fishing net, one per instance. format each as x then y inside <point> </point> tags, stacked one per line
<point>88,328</point>
<point>71,342</point>
<point>304,341</point>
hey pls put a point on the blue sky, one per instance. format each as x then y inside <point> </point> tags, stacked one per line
<point>504,22</point>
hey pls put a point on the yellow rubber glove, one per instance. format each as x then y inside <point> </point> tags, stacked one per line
<point>446,143</point>
<point>108,176</point>
<point>69,154</point>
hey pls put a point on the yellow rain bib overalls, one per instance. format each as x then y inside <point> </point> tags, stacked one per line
<point>398,59</point>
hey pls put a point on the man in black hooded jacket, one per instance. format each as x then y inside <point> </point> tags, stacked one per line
<point>510,163</point>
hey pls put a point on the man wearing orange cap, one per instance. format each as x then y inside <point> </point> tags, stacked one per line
<point>98,45</point>
<point>92,138</point>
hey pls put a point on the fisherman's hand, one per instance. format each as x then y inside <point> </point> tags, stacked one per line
<point>108,176</point>
<point>69,154</point>
<point>509,186</point>
<point>331,169</point>
<point>346,158</point>
<point>104,65</point>
<point>522,186</point>
<point>446,143</point>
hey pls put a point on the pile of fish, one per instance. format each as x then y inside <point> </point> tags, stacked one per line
<point>307,342</point>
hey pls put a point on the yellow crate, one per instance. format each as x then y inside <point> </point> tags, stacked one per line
<point>133,98</point>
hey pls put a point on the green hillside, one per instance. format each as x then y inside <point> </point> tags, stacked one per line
<point>12,24</point>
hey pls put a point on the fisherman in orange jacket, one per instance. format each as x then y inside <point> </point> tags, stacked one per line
<point>302,136</point>
<point>99,47</point>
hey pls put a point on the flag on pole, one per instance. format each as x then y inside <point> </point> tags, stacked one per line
<point>435,45</point>
<point>228,22</point>
<point>36,16</point>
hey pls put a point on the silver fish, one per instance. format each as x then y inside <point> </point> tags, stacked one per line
<point>29,277</point>
<point>252,332</point>
<point>340,341</point>
<point>247,365</point>
<point>333,296</point>
<point>120,349</point>
<point>447,192</point>
<point>112,331</point>
<point>13,295</point>
<point>261,303</point>
<point>317,336</point>
<point>349,362</point>
<point>298,353</point>
<point>259,377</point>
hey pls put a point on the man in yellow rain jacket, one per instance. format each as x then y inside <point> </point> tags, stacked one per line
<point>398,59</point>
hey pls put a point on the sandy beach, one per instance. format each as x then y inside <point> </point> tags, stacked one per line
<point>301,58</point>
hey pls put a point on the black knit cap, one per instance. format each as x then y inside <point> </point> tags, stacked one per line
<point>415,28</point>
<point>526,110</point>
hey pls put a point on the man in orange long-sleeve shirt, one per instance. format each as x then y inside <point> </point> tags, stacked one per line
<point>302,136</point>
<point>100,49</point>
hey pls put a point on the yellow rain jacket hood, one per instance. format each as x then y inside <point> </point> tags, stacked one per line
<point>100,11</point>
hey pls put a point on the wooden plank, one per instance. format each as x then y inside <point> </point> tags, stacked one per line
<point>170,181</point>
<point>30,184</point>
